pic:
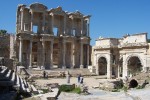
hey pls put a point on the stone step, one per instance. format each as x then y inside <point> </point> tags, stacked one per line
<point>22,86</point>
<point>3,71</point>
<point>13,77</point>
<point>17,80</point>
<point>8,74</point>
<point>34,90</point>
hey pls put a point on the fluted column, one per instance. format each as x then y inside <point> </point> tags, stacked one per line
<point>31,21</point>
<point>20,50</point>
<point>88,27</point>
<point>64,54</point>
<point>64,25</point>
<point>81,55</point>
<point>22,18</point>
<point>72,27</point>
<point>73,54</point>
<point>43,28</point>
<point>87,55</point>
<point>52,23</point>
<point>51,52</point>
<point>43,53</point>
<point>30,57</point>
<point>81,26</point>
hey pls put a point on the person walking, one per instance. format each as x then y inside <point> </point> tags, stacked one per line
<point>79,78</point>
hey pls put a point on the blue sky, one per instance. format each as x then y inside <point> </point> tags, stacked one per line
<point>110,18</point>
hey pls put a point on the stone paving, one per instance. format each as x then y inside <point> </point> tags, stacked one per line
<point>96,94</point>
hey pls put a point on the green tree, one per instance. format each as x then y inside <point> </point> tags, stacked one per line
<point>148,40</point>
<point>3,32</point>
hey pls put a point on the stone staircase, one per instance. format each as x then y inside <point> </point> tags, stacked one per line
<point>10,78</point>
<point>58,72</point>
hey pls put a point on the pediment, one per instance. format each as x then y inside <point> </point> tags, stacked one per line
<point>38,7</point>
<point>76,14</point>
<point>57,11</point>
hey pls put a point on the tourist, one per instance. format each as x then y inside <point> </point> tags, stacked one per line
<point>44,74</point>
<point>68,77</point>
<point>81,80</point>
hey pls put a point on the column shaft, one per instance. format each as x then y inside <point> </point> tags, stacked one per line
<point>82,27</point>
<point>64,54</point>
<point>31,21</point>
<point>64,25</point>
<point>125,67</point>
<point>73,54</point>
<point>51,47</point>
<point>22,17</point>
<point>20,51</point>
<point>72,27</point>
<point>43,22</point>
<point>109,67</point>
<point>43,54</point>
<point>87,55</point>
<point>30,61</point>
<point>52,23</point>
<point>81,55</point>
<point>88,24</point>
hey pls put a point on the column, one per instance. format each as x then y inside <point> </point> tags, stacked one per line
<point>52,23</point>
<point>64,24</point>
<point>73,54</point>
<point>88,27</point>
<point>118,68</point>
<point>30,57</point>
<point>64,54</point>
<point>81,26</point>
<point>72,26</point>
<point>109,66</point>
<point>31,21</point>
<point>125,67</point>
<point>51,53</point>
<point>43,54</point>
<point>43,28</point>
<point>81,55</point>
<point>87,55</point>
<point>22,17</point>
<point>20,50</point>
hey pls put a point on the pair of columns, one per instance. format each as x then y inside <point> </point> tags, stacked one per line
<point>32,14</point>
<point>21,50</point>
<point>81,55</point>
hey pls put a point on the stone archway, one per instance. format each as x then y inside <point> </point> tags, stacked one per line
<point>134,65</point>
<point>102,66</point>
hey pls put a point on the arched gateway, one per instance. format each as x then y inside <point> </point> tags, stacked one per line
<point>102,66</point>
<point>134,65</point>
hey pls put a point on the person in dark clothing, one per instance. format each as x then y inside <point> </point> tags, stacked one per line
<point>79,78</point>
<point>44,74</point>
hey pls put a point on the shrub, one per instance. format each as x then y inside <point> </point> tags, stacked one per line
<point>77,90</point>
<point>66,88</point>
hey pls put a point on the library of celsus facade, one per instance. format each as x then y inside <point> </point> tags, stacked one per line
<point>121,57</point>
<point>47,38</point>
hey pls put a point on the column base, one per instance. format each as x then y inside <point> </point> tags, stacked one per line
<point>30,67</point>
<point>63,67</point>
<point>81,66</point>
<point>42,67</point>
